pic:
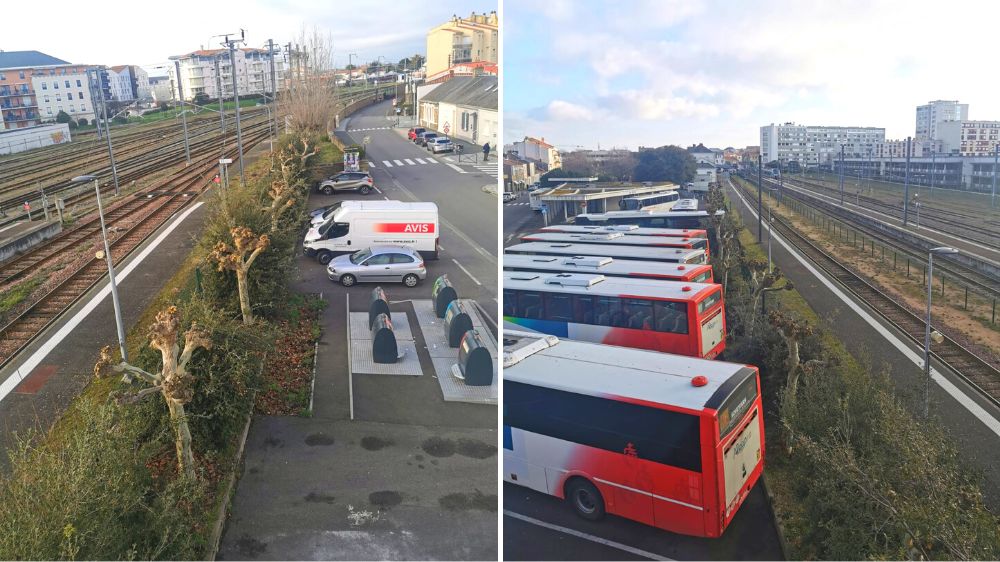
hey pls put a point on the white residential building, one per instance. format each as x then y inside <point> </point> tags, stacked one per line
<point>897,149</point>
<point>931,115</point>
<point>538,151</point>
<point>121,86</point>
<point>969,138</point>
<point>69,92</point>
<point>704,176</point>
<point>812,146</point>
<point>197,73</point>
<point>704,155</point>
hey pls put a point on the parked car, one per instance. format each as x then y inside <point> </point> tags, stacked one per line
<point>347,181</point>
<point>440,144</point>
<point>424,137</point>
<point>414,131</point>
<point>535,186</point>
<point>509,196</point>
<point>378,264</point>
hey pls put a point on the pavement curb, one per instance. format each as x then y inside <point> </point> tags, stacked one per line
<point>774,516</point>
<point>220,520</point>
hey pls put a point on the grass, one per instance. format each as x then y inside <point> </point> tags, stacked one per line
<point>15,296</point>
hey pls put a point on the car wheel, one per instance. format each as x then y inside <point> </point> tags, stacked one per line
<point>327,190</point>
<point>585,499</point>
<point>324,257</point>
<point>347,280</point>
<point>410,280</point>
<point>365,190</point>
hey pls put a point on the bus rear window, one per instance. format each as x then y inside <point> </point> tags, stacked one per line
<point>710,301</point>
<point>700,258</point>
<point>703,278</point>
<point>737,405</point>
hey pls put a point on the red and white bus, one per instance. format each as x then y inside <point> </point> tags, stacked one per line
<point>684,318</point>
<point>666,440</point>
<point>618,239</point>
<point>668,255</point>
<point>610,266</point>
<point>630,229</point>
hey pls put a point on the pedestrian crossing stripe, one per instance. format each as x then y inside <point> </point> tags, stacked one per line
<point>512,204</point>
<point>419,161</point>
<point>410,162</point>
<point>370,129</point>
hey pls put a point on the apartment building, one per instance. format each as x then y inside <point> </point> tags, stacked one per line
<point>68,89</point>
<point>25,97</point>
<point>198,72</point>
<point>816,145</point>
<point>128,82</point>
<point>969,138</point>
<point>539,152</point>
<point>897,148</point>
<point>932,114</point>
<point>463,40</point>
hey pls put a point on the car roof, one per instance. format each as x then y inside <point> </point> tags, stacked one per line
<point>365,172</point>
<point>390,249</point>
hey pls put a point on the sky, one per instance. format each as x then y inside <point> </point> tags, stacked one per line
<point>147,33</point>
<point>655,72</point>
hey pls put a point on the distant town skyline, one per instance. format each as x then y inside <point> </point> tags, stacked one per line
<point>147,34</point>
<point>656,72</point>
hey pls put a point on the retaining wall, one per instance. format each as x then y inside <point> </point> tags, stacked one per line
<point>29,238</point>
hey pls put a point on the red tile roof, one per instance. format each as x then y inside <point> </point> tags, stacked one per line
<point>540,143</point>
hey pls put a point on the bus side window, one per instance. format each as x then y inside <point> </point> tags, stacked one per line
<point>509,302</point>
<point>529,305</point>
<point>558,307</point>
<point>608,311</point>
<point>670,317</point>
<point>583,309</point>
<point>640,314</point>
<point>703,278</point>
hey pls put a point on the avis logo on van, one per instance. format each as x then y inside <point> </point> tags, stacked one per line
<point>406,227</point>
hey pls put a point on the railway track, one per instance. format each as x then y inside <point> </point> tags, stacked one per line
<point>943,219</point>
<point>979,373</point>
<point>149,214</point>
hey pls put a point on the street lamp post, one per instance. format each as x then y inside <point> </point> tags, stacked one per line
<point>996,157</point>
<point>927,329</point>
<point>111,266</point>
<point>916,205</point>
<point>769,266</point>
<point>906,184</point>
<point>841,175</point>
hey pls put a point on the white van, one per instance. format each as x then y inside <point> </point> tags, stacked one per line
<point>360,224</point>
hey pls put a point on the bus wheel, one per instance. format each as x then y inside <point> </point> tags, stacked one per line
<point>585,499</point>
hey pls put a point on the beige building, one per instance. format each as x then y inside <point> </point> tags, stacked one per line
<point>253,73</point>
<point>969,138</point>
<point>538,151</point>
<point>463,40</point>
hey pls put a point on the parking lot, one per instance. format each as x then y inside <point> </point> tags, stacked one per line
<point>411,476</point>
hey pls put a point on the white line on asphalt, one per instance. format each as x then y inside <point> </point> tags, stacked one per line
<point>42,352</point>
<point>432,161</point>
<point>10,227</point>
<point>420,160</point>
<point>387,163</point>
<point>975,409</point>
<point>408,161</point>
<point>371,164</point>
<point>456,168</point>
<point>397,162</point>
<point>386,197</point>
<point>377,190</point>
<point>585,536</point>
<point>460,266</point>
<point>350,367</point>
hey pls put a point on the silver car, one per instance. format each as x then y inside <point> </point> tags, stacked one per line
<point>347,181</point>
<point>378,264</point>
<point>440,144</point>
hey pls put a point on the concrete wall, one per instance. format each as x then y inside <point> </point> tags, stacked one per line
<point>19,140</point>
<point>28,239</point>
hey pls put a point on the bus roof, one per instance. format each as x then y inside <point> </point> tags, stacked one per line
<point>627,229</point>
<point>612,238</point>
<point>610,371</point>
<point>606,266</point>
<point>597,284</point>
<point>682,255</point>
<point>642,213</point>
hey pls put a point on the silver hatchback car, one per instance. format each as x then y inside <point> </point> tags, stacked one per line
<point>378,264</point>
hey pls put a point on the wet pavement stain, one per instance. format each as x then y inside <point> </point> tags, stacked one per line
<point>254,470</point>
<point>419,457</point>
<point>438,447</point>
<point>420,466</point>
<point>250,547</point>
<point>476,449</point>
<point>466,501</point>
<point>313,497</point>
<point>319,439</point>
<point>385,499</point>
<point>271,441</point>
<point>375,443</point>
<point>434,462</point>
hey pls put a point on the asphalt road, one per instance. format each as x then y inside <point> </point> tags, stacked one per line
<point>518,218</point>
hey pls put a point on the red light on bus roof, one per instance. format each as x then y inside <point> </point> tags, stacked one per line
<point>681,267</point>
<point>700,380</point>
<point>686,288</point>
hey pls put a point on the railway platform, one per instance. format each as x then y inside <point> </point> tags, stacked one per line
<point>20,236</point>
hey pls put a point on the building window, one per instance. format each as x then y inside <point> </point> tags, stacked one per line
<point>80,95</point>
<point>46,99</point>
<point>3,76</point>
<point>67,83</point>
<point>55,85</point>
<point>59,97</point>
<point>69,95</point>
<point>83,107</point>
<point>72,109</point>
<point>21,74</point>
<point>78,84</point>
<point>45,85</point>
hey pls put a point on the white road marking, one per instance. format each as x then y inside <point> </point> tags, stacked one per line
<point>408,161</point>
<point>397,162</point>
<point>585,536</point>
<point>42,352</point>
<point>387,163</point>
<point>371,164</point>
<point>917,358</point>
<point>420,160</point>
<point>456,168</point>
<point>432,161</point>
<point>462,267</point>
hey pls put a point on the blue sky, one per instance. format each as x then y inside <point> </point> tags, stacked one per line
<point>147,33</point>
<point>654,72</point>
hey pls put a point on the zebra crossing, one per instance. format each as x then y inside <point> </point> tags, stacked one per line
<point>515,204</point>
<point>489,168</point>
<point>369,129</point>
<point>407,162</point>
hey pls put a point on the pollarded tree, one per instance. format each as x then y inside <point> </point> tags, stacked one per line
<point>173,382</point>
<point>239,257</point>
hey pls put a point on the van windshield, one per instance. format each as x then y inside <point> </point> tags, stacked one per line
<point>360,256</point>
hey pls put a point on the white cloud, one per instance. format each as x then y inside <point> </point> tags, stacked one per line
<point>649,106</point>
<point>560,110</point>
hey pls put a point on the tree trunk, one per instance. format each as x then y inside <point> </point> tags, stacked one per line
<point>185,456</point>
<point>244,290</point>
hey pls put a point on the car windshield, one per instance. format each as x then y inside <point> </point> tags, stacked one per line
<point>360,256</point>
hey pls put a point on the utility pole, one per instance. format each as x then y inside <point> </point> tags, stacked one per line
<point>996,157</point>
<point>274,86</point>
<point>93,102</point>
<point>760,223</point>
<point>236,97</point>
<point>933,158</point>
<point>107,130</point>
<point>842,175</point>
<point>906,185</point>
<point>180,97</point>
<point>222,98</point>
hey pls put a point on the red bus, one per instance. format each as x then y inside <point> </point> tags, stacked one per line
<point>684,318</point>
<point>629,229</point>
<point>618,239</point>
<point>666,440</point>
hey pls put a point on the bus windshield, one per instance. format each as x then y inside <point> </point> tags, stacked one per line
<point>737,405</point>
